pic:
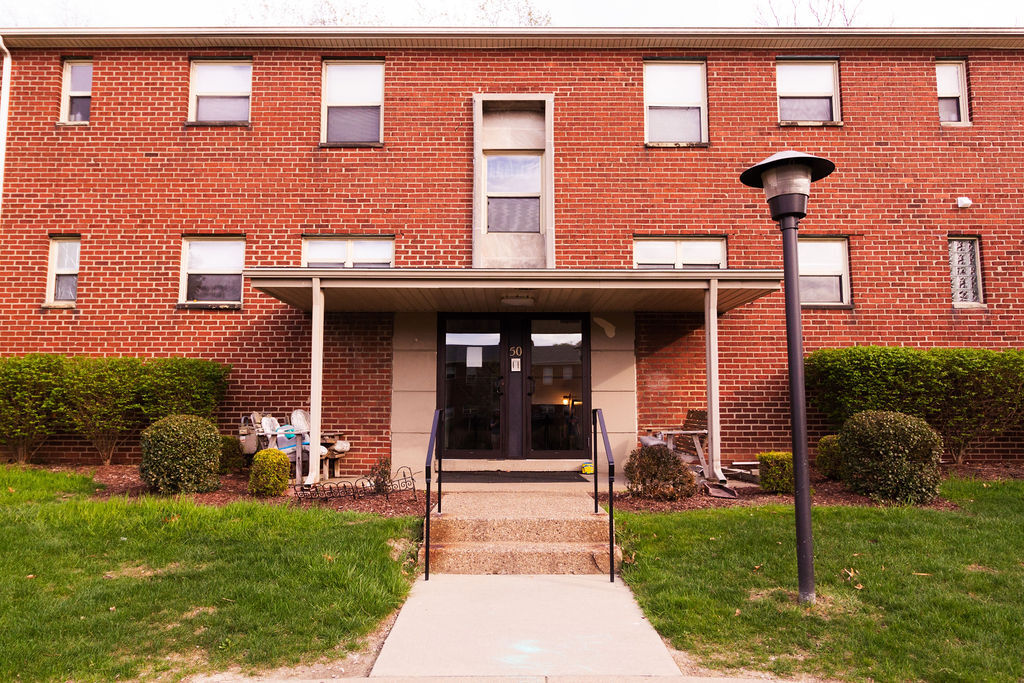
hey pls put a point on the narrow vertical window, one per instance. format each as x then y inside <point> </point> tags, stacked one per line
<point>951,82</point>
<point>220,92</point>
<point>62,280</point>
<point>353,100</point>
<point>76,99</point>
<point>808,91</point>
<point>824,271</point>
<point>212,270</point>
<point>965,270</point>
<point>675,102</point>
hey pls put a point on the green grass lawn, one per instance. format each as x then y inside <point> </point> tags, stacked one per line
<point>903,593</point>
<point>97,590</point>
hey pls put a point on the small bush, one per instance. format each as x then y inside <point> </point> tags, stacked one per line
<point>100,400</point>
<point>829,461</point>
<point>231,457</point>
<point>890,456</point>
<point>381,475</point>
<point>29,401</point>
<point>180,454</point>
<point>775,469</point>
<point>656,472</point>
<point>269,473</point>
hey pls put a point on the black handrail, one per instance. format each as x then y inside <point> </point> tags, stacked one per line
<point>432,445</point>
<point>599,419</point>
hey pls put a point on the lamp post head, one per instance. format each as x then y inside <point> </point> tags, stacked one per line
<point>786,178</point>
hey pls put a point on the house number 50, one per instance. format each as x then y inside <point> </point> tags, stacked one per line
<point>515,351</point>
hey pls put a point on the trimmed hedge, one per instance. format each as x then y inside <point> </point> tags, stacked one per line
<point>968,395</point>
<point>180,454</point>
<point>658,473</point>
<point>890,456</point>
<point>29,401</point>
<point>775,469</point>
<point>829,459</point>
<point>231,457</point>
<point>269,473</point>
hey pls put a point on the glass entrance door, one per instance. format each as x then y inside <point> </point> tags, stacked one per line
<point>556,397</point>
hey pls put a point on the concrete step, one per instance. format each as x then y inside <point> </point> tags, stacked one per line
<point>517,557</point>
<point>584,528</point>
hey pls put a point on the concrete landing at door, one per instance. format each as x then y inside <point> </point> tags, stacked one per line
<point>537,625</point>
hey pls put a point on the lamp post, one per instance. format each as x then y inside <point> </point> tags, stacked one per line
<point>786,178</point>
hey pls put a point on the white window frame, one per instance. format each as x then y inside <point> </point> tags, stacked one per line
<point>325,103</point>
<point>348,241</point>
<point>193,95</point>
<point>681,261</point>
<point>52,272</point>
<point>837,114</point>
<point>702,104</point>
<point>976,245</point>
<point>183,280</point>
<point>961,95</point>
<point>539,153</point>
<point>66,93</point>
<point>843,272</point>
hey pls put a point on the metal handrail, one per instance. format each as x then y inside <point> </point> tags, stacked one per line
<point>599,420</point>
<point>434,445</point>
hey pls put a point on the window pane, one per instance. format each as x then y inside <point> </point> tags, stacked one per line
<point>323,252</point>
<point>78,108</point>
<point>947,77</point>
<point>963,268</point>
<point>222,109</point>
<point>513,214</point>
<point>513,173</point>
<point>806,79</point>
<point>674,124</point>
<point>655,252</point>
<point>355,83</point>
<point>821,288</point>
<point>674,84</point>
<point>353,124</point>
<point>81,78</point>
<point>216,256</point>
<point>65,288</point>
<point>949,109</point>
<point>67,256</point>
<point>702,253</point>
<point>214,288</point>
<point>373,251</point>
<point>805,109</point>
<point>822,256</point>
<point>222,78</point>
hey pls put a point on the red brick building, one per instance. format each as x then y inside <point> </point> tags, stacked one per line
<point>514,226</point>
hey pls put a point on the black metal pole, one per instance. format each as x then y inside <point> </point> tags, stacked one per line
<point>593,420</point>
<point>611,522</point>
<point>426,533</point>
<point>798,409</point>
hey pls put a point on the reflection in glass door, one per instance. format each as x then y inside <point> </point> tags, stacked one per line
<point>557,404</point>
<point>473,387</point>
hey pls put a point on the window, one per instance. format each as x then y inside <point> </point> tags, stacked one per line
<point>824,271</point>
<point>675,102</point>
<point>344,252</point>
<point>951,81</point>
<point>685,253</point>
<point>513,192</point>
<point>62,279</point>
<point>965,270</point>
<point>220,92</point>
<point>353,99</point>
<point>76,96</point>
<point>808,91</point>
<point>212,270</point>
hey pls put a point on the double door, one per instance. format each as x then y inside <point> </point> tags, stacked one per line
<point>514,386</point>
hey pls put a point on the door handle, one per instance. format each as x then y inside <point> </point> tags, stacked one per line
<point>500,390</point>
<point>532,385</point>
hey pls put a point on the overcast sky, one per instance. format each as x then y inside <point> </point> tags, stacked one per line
<point>669,13</point>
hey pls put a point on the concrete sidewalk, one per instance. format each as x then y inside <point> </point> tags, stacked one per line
<point>522,627</point>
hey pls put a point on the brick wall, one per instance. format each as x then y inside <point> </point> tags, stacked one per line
<point>135,179</point>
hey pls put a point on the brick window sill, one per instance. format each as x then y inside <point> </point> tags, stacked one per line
<point>970,306</point>
<point>218,124</point>
<point>58,305</point>
<point>71,124</point>
<point>656,145</point>
<point>199,306</point>
<point>810,124</point>
<point>338,145</point>
<point>956,124</point>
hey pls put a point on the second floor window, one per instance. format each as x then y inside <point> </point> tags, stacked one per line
<point>62,282</point>
<point>675,102</point>
<point>220,91</point>
<point>76,100</point>
<point>353,100</point>
<point>951,82</point>
<point>824,271</point>
<point>212,270</point>
<point>513,192</point>
<point>808,91</point>
<point>348,252</point>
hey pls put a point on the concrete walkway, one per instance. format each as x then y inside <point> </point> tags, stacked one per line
<point>522,627</point>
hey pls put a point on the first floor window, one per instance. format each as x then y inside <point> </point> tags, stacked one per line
<point>213,270</point>
<point>347,252</point>
<point>808,91</point>
<point>513,192</point>
<point>220,91</point>
<point>689,253</point>
<point>62,283</point>
<point>965,270</point>
<point>353,99</point>
<point>824,271</point>
<point>76,100</point>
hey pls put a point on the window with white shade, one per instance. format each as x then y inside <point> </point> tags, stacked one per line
<point>808,91</point>
<point>76,96</point>
<point>951,83</point>
<point>345,252</point>
<point>679,253</point>
<point>675,102</point>
<point>212,270</point>
<point>514,184</point>
<point>965,270</point>
<point>353,101</point>
<point>824,271</point>
<point>62,279</point>
<point>220,91</point>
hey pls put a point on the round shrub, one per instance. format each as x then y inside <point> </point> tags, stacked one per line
<point>231,457</point>
<point>180,454</point>
<point>269,473</point>
<point>829,461</point>
<point>890,456</point>
<point>656,472</point>
<point>775,469</point>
